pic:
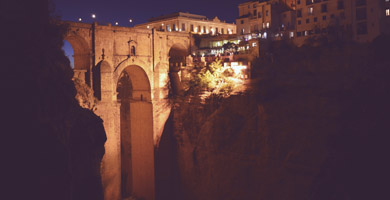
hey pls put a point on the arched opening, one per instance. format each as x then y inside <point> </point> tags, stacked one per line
<point>81,57</point>
<point>101,80</point>
<point>177,60</point>
<point>136,133</point>
<point>68,50</point>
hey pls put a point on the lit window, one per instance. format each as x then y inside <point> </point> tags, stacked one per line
<point>310,10</point>
<point>291,34</point>
<point>267,24</point>
<point>254,44</point>
<point>388,12</point>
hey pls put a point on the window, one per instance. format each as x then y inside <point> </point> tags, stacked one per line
<point>299,13</point>
<point>307,21</point>
<point>340,4</point>
<point>259,14</point>
<point>291,34</point>
<point>361,13</point>
<point>174,27</point>
<point>266,13</point>
<point>254,12</point>
<point>222,31</point>
<point>299,34</point>
<point>183,27</point>
<point>192,28</point>
<point>324,18</point>
<point>298,2</point>
<point>242,21</point>
<point>309,2</point>
<point>360,2</point>
<point>299,22</point>
<point>216,30</point>
<point>387,12</point>
<point>242,31</point>
<point>132,51</point>
<point>254,5</point>
<point>324,8</point>
<point>204,29</point>
<point>318,1</point>
<point>315,19</point>
<point>199,30</point>
<point>310,10</point>
<point>167,27</point>
<point>361,28</point>
<point>267,24</point>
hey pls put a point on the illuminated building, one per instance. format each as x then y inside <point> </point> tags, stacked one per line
<point>261,16</point>
<point>187,22</point>
<point>359,20</point>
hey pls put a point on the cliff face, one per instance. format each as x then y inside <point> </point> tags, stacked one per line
<point>54,147</point>
<point>314,128</point>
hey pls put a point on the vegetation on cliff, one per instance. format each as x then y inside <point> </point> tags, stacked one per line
<point>314,127</point>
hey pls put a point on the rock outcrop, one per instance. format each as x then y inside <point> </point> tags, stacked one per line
<point>54,147</point>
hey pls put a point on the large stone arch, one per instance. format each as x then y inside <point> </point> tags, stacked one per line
<point>82,56</point>
<point>136,133</point>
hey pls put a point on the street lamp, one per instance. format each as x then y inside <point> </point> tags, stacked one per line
<point>80,19</point>
<point>93,16</point>
<point>130,20</point>
<point>116,23</point>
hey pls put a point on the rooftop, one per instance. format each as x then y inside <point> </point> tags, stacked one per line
<point>178,14</point>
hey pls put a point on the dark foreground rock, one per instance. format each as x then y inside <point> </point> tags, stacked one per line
<point>52,146</point>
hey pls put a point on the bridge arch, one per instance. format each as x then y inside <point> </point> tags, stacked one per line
<point>102,75</point>
<point>136,133</point>
<point>177,60</point>
<point>81,55</point>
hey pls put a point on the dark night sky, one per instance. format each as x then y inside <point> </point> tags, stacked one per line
<point>110,11</point>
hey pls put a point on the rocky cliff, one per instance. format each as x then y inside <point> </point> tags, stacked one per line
<point>314,126</point>
<point>53,147</point>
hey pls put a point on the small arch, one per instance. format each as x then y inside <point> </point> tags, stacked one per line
<point>177,58</point>
<point>101,74</point>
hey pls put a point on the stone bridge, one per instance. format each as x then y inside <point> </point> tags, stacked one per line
<point>128,69</point>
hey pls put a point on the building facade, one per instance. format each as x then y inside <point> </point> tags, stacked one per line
<point>359,20</point>
<point>265,15</point>
<point>191,23</point>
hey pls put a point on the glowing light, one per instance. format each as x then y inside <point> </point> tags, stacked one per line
<point>130,20</point>
<point>116,23</point>
<point>93,16</point>
<point>147,26</point>
<point>80,19</point>
<point>238,68</point>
